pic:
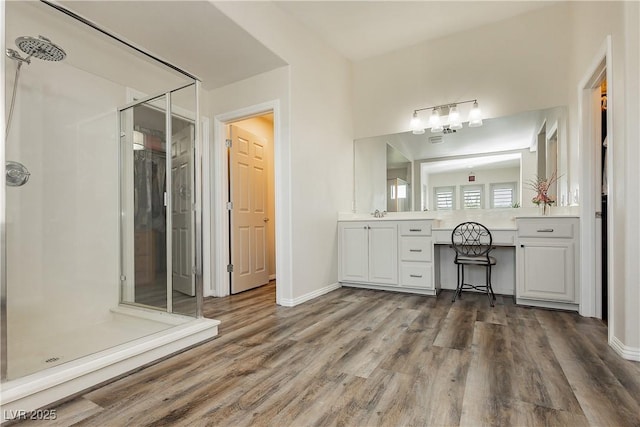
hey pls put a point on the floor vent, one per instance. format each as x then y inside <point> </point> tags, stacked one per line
<point>52,359</point>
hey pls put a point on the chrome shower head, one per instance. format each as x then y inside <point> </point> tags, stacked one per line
<point>13,54</point>
<point>41,48</point>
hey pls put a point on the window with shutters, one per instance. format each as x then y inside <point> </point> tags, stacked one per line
<point>472,196</point>
<point>444,198</point>
<point>503,195</point>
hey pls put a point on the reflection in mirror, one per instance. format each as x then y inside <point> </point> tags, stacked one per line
<point>398,181</point>
<point>474,168</point>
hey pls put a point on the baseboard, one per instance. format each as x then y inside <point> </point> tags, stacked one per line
<point>629,353</point>
<point>311,295</point>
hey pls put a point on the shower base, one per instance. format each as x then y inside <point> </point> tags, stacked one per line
<point>62,372</point>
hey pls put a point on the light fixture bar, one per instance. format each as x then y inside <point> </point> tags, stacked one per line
<point>453,115</point>
<point>445,105</point>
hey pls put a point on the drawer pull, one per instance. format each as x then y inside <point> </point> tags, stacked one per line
<point>415,229</point>
<point>417,276</point>
<point>415,250</point>
<point>545,230</point>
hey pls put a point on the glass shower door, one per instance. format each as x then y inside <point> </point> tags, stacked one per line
<point>157,191</point>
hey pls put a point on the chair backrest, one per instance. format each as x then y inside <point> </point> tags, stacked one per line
<point>471,239</point>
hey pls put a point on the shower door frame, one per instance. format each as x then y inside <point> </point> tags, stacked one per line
<point>196,201</point>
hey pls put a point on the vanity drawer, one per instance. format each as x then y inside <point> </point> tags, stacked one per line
<point>415,228</point>
<point>415,248</point>
<point>416,275</point>
<point>546,228</point>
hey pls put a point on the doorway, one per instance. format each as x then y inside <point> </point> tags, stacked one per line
<point>597,180</point>
<point>250,202</point>
<point>602,195</point>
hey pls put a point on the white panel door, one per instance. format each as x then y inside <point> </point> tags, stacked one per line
<point>248,192</point>
<point>181,213</point>
<point>383,253</point>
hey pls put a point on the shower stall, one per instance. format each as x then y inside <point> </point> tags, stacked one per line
<point>101,216</point>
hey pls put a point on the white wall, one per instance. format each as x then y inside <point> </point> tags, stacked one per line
<point>526,55</point>
<point>319,138</point>
<point>263,128</point>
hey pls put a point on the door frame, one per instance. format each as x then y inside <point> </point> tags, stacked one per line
<point>590,296</point>
<point>219,217</point>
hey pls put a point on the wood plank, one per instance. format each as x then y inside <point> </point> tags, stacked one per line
<point>457,329</point>
<point>66,414</point>
<point>440,386</point>
<point>539,378</point>
<point>488,393</point>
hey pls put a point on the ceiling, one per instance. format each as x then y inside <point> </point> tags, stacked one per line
<point>200,39</point>
<point>193,35</point>
<point>361,29</point>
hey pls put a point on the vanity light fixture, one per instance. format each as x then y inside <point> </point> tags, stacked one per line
<point>454,120</point>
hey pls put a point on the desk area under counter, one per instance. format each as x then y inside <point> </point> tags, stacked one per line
<point>537,256</point>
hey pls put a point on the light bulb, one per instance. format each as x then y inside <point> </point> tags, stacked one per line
<point>416,124</point>
<point>434,121</point>
<point>454,118</point>
<point>475,116</point>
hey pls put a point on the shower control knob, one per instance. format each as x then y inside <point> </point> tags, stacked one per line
<point>16,174</point>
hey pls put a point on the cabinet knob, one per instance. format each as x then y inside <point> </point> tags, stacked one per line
<point>522,246</point>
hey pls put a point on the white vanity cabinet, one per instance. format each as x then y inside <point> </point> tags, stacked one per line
<point>416,254</point>
<point>547,250</point>
<point>368,252</point>
<point>386,254</point>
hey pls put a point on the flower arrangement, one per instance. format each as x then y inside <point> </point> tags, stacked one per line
<point>541,187</point>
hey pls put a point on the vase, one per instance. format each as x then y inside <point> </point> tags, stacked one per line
<point>545,209</point>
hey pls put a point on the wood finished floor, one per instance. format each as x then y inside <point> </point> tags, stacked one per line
<point>359,357</point>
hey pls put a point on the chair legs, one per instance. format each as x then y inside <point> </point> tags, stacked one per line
<point>460,286</point>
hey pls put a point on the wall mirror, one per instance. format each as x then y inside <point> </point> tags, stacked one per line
<point>485,167</point>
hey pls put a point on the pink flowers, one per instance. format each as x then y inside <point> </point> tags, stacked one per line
<point>541,187</point>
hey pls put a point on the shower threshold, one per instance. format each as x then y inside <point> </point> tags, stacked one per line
<point>50,385</point>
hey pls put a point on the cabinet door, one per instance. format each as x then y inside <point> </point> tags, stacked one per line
<point>546,270</point>
<point>383,253</point>
<point>353,252</point>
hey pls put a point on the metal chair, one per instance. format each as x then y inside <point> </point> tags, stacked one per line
<point>473,242</point>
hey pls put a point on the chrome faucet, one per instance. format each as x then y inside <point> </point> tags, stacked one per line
<point>378,214</point>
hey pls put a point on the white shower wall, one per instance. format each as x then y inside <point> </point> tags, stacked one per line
<point>62,226</point>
